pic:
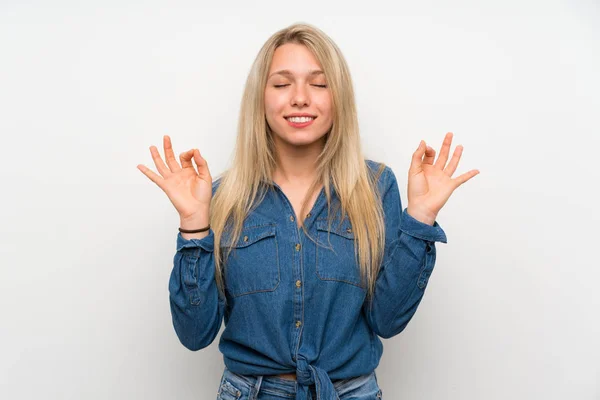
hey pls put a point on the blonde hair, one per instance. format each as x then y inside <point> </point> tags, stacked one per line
<point>341,161</point>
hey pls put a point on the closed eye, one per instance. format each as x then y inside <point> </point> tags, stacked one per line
<point>287,84</point>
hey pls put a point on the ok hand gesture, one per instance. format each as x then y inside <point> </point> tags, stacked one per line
<point>189,190</point>
<point>430,185</point>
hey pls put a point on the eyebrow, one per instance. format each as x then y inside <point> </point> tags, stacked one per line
<point>287,72</point>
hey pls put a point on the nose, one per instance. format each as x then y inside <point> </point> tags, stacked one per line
<point>300,96</point>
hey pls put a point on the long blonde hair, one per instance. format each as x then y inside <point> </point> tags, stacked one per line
<point>341,161</point>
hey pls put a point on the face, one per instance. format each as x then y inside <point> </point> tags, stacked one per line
<point>296,86</point>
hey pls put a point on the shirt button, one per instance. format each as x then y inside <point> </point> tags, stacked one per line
<point>298,283</point>
<point>308,215</point>
<point>297,246</point>
<point>245,238</point>
<point>298,323</point>
<point>292,218</point>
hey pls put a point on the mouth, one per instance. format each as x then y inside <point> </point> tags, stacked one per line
<point>299,122</point>
<point>300,119</point>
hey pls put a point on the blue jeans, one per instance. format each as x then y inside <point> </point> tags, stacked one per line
<point>269,387</point>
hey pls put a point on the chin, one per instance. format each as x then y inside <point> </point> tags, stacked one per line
<point>303,139</point>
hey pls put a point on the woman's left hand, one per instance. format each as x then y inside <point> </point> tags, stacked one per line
<point>430,185</point>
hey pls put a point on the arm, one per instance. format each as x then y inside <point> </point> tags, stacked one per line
<point>409,258</point>
<point>197,308</point>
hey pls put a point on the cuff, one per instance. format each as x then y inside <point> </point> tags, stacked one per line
<point>205,243</point>
<point>421,230</point>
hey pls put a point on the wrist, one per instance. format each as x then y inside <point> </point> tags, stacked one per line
<point>194,222</point>
<point>424,216</point>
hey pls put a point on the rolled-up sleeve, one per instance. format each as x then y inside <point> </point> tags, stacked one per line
<point>408,261</point>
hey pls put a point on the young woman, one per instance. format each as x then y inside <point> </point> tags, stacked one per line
<point>302,246</point>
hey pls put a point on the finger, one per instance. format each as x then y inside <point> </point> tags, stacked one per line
<point>186,159</point>
<point>169,155</point>
<point>459,180</point>
<point>160,165</point>
<point>150,174</point>
<point>202,165</point>
<point>417,158</point>
<point>429,155</point>
<point>451,167</point>
<point>445,150</point>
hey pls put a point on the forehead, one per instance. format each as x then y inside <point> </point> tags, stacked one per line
<point>294,59</point>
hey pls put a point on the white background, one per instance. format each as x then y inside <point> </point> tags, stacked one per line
<point>512,310</point>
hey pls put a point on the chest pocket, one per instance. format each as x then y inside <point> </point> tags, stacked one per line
<point>335,259</point>
<point>253,265</point>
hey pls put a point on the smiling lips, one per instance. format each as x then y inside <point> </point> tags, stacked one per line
<point>300,122</point>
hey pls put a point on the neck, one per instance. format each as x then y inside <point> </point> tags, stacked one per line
<point>296,164</point>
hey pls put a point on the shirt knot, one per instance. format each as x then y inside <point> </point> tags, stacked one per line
<point>304,375</point>
<point>307,375</point>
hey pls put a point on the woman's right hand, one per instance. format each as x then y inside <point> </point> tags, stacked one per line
<point>189,190</point>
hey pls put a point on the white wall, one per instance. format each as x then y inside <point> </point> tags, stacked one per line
<point>512,310</point>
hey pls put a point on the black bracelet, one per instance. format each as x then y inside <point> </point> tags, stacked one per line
<point>194,230</point>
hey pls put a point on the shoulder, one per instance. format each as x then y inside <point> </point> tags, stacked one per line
<point>382,174</point>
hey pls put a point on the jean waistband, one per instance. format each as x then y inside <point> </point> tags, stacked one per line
<point>251,385</point>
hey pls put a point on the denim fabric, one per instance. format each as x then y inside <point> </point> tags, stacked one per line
<point>248,387</point>
<point>297,307</point>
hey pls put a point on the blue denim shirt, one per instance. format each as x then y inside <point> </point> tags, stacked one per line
<point>296,307</point>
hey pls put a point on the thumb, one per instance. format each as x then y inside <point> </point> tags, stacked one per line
<point>201,163</point>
